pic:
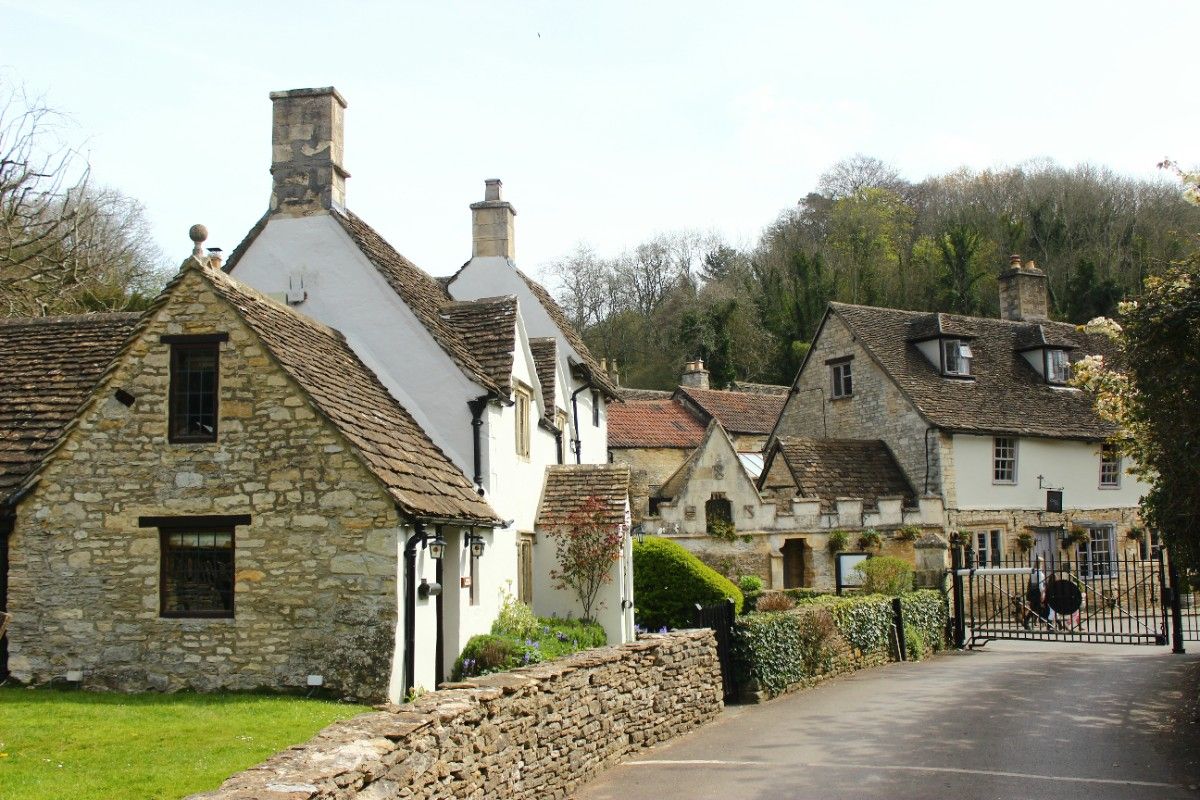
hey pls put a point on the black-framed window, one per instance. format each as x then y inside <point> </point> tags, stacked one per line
<point>196,578</point>
<point>843,381</point>
<point>989,548</point>
<point>195,378</point>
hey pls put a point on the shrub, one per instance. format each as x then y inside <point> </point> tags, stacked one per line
<point>780,649</point>
<point>483,654</point>
<point>885,575</point>
<point>870,540</point>
<point>515,619</point>
<point>914,642</point>
<point>837,541</point>
<point>800,593</point>
<point>908,533</point>
<point>774,601</point>
<point>927,611</point>
<point>550,638</point>
<point>750,584</point>
<point>668,582</point>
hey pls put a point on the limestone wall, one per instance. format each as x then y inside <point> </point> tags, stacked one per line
<point>536,732</point>
<point>316,568</point>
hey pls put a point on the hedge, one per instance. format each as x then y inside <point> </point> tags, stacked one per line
<point>668,582</point>
<point>827,634</point>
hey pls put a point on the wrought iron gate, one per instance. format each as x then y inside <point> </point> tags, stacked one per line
<point>1113,599</point>
<point>720,618</point>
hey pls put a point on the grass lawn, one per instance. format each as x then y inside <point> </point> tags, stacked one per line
<point>56,744</point>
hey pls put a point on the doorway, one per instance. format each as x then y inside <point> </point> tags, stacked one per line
<point>793,563</point>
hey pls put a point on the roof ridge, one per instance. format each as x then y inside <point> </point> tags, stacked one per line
<point>90,316</point>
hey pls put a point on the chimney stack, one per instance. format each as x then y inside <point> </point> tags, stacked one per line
<point>306,151</point>
<point>1024,292</point>
<point>695,376</point>
<point>492,224</point>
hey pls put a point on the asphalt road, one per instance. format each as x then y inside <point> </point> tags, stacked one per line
<point>1012,720</point>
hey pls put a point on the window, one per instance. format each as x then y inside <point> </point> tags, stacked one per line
<point>595,408</point>
<point>1058,366</point>
<point>1004,460</point>
<point>843,383</point>
<point>1095,554</point>
<point>197,572</point>
<point>1110,466</point>
<point>956,357</point>
<point>523,399</point>
<point>524,568</point>
<point>193,393</point>
<point>989,548</point>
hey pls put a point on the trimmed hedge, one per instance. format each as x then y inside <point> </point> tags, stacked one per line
<point>668,581</point>
<point>829,634</point>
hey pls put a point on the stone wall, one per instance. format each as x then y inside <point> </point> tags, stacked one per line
<point>649,469</point>
<point>535,732</point>
<point>316,568</point>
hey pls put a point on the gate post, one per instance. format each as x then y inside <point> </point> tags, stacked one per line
<point>898,621</point>
<point>1176,608</point>
<point>960,627</point>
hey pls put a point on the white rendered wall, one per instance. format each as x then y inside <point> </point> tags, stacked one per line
<point>1073,466</point>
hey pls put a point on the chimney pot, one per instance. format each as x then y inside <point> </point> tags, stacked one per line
<point>694,375</point>
<point>1015,260</point>
<point>491,189</point>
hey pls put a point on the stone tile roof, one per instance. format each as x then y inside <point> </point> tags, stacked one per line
<point>738,412</point>
<point>419,291</point>
<point>599,377</point>
<point>545,361</point>
<point>417,474</point>
<point>48,367</point>
<point>833,468</point>
<point>653,423</point>
<point>629,393</point>
<point>759,388</point>
<point>569,487</point>
<point>1005,396</point>
<point>488,326</point>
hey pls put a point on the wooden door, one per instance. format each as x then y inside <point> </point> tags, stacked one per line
<point>793,563</point>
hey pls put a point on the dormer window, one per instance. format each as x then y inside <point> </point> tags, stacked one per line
<point>1058,367</point>
<point>956,357</point>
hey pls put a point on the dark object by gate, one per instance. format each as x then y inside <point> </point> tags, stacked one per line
<point>720,618</point>
<point>1116,599</point>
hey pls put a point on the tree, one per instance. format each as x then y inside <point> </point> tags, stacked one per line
<point>961,250</point>
<point>65,246</point>
<point>586,547</point>
<point>1155,398</point>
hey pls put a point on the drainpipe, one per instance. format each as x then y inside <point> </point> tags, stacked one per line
<point>928,430</point>
<point>558,443</point>
<point>575,414</point>
<point>477,406</point>
<point>410,603</point>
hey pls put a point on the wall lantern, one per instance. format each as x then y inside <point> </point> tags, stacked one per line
<point>437,547</point>
<point>476,543</point>
<point>639,533</point>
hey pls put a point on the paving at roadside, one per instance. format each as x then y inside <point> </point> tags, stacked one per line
<point>1012,720</point>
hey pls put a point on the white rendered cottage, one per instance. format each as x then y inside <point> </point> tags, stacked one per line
<point>490,368</point>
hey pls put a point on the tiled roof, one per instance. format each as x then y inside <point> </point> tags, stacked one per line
<point>832,468</point>
<point>545,361</point>
<point>738,412</point>
<point>488,326</point>
<point>48,366</point>
<point>599,377</point>
<point>653,423</point>
<point>570,486</point>
<point>1005,394</point>
<point>419,291</point>
<point>629,393</point>
<point>759,388</point>
<point>418,475</point>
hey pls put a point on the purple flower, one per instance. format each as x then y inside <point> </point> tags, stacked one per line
<point>663,629</point>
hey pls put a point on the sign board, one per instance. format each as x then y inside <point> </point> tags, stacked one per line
<point>1054,501</point>
<point>846,576</point>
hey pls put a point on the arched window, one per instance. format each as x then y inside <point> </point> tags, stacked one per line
<point>718,516</point>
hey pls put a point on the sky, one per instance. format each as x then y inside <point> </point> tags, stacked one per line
<point>608,122</point>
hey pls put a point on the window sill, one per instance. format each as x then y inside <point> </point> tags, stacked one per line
<point>842,397</point>
<point>954,377</point>
<point>213,617</point>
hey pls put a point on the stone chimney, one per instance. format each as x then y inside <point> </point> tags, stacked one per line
<point>306,151</point>
<point>1024,292</point>
<point>492,224</point>
<point>695,376</point>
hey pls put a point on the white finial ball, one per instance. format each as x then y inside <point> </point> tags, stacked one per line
<point>198,233</point>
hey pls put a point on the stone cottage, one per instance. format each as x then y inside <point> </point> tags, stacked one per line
<point>240,503</point>
<point>49,366</point>
<point>980,413</point>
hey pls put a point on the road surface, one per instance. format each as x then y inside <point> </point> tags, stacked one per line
<point>1012,720</point>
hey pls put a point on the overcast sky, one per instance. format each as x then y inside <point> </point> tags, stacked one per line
<point>607,121</point>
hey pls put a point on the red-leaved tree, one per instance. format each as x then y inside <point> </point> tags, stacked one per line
<point>587,545</point>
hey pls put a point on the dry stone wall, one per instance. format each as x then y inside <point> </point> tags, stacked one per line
<point>535,732</point>
<point>315,570</point>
